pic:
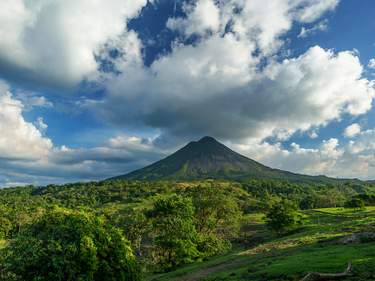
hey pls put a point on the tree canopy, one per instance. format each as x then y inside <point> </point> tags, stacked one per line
<point>70,245</point>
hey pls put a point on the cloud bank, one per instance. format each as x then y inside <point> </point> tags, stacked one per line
<point>53,43</point>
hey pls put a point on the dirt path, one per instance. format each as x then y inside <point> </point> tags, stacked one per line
<point>205,272</point>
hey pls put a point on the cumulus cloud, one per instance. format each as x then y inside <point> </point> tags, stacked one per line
<point>352,130</point>
<point>259,21</point>
<point>27,156</point>
<point>221,81</point>
<point>19,139</point>
<point>203,16</point>
<point>216,85</point>
<point>54,42</point>
<point>116,156</point>
<point>352,160</point>
<point>331,157</point>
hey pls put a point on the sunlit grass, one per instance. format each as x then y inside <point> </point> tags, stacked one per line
<point>314,247</point>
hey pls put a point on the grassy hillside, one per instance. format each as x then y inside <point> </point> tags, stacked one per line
<point>317,246</point>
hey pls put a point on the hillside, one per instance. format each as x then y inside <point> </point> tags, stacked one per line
<point>208,158</point>
<point>318,246</point>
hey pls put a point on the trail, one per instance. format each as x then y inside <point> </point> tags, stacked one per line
<point>205,272</point>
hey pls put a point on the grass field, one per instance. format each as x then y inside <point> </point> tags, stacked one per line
<point>316,246</point>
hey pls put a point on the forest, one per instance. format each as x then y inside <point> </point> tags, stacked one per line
<point>135,230</point>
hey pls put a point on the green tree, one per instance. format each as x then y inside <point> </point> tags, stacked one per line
<point>282,216</point>
<point>5,227</point>
<point>174,232</point>
<point>71,246</point>
<point>217,218</point>
<point>135,225</point>
<point>355,203</point>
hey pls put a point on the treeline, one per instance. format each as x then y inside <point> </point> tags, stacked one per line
<point>311,196</point>
<point>117,230</point>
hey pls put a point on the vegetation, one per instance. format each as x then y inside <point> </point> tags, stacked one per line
<point>69,245</point>
<point>175,234</point>
<point>282,216</point>
<point>123,230</point>
<point>355,203</point>
<point>318,246</point>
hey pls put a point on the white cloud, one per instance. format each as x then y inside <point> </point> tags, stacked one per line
<point>355,159</point>
<point>259,21</point>
<point>27,156</point>
<point>116,156</point>
<point>313,134</point>
<point>321,26</point>
<point>313,161</point>
<point>203,16</point>
<point>215,85</point>
<point>371,63</point>
<point>42,127</point>
<point>54,42</point>
<point>352,130</point>
<point>32,100</point>
<point>19,139</point>
<point>313,9</point>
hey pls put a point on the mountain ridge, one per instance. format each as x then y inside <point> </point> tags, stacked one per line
<point>210,159</point>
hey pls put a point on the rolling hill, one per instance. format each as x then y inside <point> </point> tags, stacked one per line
<point>210,159</point>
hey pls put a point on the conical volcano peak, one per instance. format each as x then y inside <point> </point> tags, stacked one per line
<point>207,139</point>
<point>210,159</point>
<point>206,158</point>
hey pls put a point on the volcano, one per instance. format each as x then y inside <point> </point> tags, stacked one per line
<point>210,159</point>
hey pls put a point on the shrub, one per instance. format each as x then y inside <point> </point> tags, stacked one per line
<point>282,216</point>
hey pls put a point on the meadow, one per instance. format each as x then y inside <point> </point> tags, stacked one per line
<point>317,246</point>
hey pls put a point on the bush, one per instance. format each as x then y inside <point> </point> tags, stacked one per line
<point>70,245</point>
<point>282,216</point>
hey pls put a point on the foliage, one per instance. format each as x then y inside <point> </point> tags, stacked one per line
<point>217,218</point>
<point>282,216</point>
<point>355,203</point>
<point>70,245</point>
<point>5,227</point>
<point>316,247</point>
<point>174,231</point>
<point>215,211</point>
<point>215,215</point>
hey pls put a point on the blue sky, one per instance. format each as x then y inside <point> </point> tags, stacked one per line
<point>89,91</point>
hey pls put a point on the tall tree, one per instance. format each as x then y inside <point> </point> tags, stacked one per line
<point>174,232</point>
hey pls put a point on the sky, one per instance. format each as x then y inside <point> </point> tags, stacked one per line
<point>92,89</point>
